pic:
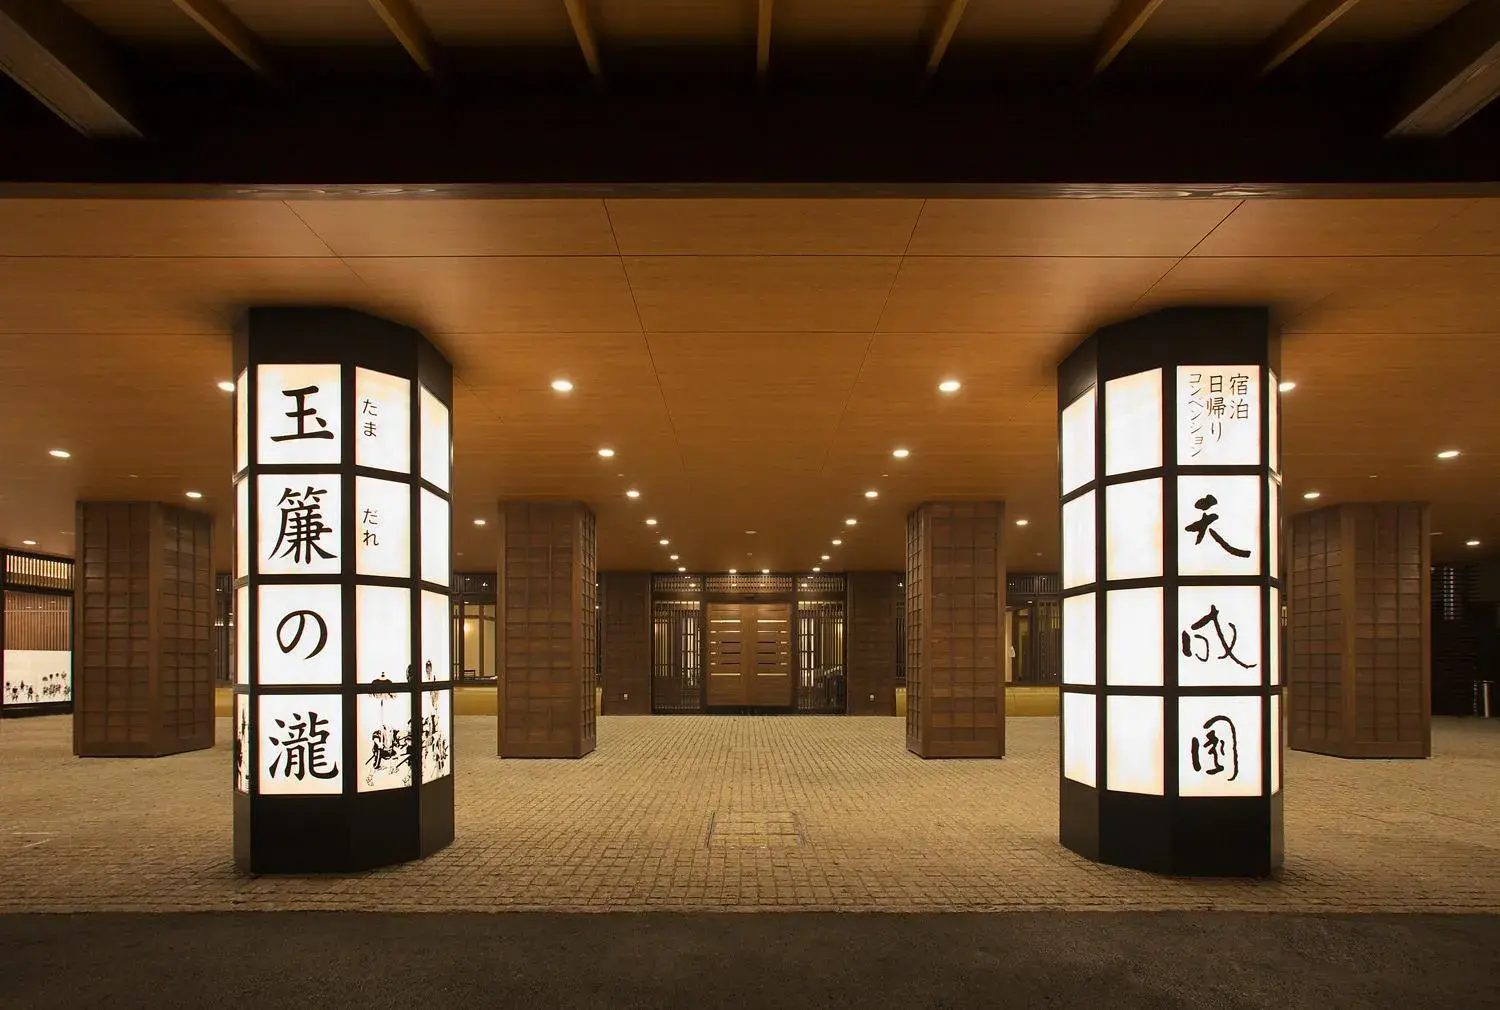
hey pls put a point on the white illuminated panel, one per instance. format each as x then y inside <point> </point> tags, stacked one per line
<point>437,734</point>
<point>1080,746</point>
<point>242,632</point>
<point>301,635</point>
<point>1078,442</point>
<point>298,526</point>
<point>437,637</point>
<point>382,421</point>
<point>1218,415</point>
<point>1218,636</point>
<point>242,529</point>
<point>1132,422</point>
<point>382,632</point>
<point>435,544</point>
<point>1275,743</point>
<point>1273,551</point>
<point>437,447</point>
<point>298,414</point>
<point>1078,634</point>
<point>1275,637</point>
<point>242,743</point>
<point>1078,541</point>
<point>1132,522</point>
<point>1273,415</point>
<point>1133,631</point>
<point>301,744</point>
<point>1218,525</point>
<point>1218,746</point>
<point>242,421</point>
<point>382,527</point>
<point>384,743</point>
<point>1134,735</point>
<point>37,676</point>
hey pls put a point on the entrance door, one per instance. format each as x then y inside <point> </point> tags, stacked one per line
<point>750,654</point>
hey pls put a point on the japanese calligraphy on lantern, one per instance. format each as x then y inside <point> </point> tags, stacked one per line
<point>297,414</point>
<point>437,734</point>
<point>437,447</point>
<point>382,421</point>
<point>298,524</point>
<point>385,741</point>
<point>382,534</point>
<point>1219,636</point>
<point>1218,746</point>
<point>301,744</point>
<point>1218,525</point>
<point>382,623</point>
<point>1218,415</point>
<point>300,635</point>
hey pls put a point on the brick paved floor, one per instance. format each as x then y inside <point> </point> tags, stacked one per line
<point>743,813</point>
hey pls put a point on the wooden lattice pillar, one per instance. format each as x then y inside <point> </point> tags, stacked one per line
<point>547,642</point>
<point>873,641</point>
<point>625,648</point>
<point>1359,635</point>
<point>144,684</point>
<point>955,611</point>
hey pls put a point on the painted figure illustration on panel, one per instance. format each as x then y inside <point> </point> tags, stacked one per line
<point>385,742</point>
<point>437,734</point>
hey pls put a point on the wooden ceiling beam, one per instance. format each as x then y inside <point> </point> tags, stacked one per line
<point>407,25</point>
<point>65,62</point>
<point>1124,23</point>
<point>230,32</point>
<point>1455,73</point>
<point>1305,24</point>
<point>763,40</point>
<point>944,37</point>
<point>578,16</point>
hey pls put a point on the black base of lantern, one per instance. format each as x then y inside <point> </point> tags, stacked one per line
<point>41,708</point>
<point>1220,836</point>
<point>341,834</point>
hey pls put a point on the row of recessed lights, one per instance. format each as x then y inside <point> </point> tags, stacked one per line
<point>1445,454</point>
<point>65,454</point>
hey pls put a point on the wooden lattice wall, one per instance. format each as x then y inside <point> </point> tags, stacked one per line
<point>547,637</point>
<point>955,675</point>
<point>626,648</point>
<point>144,683</point>
<point>873,641</point>
<point>1358,642</point>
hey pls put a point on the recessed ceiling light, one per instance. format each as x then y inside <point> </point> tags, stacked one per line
<point>817,569</point>
<point>650,522</point>
<point>837,542</point>
<point>901,453</point>
<point>949,385</point>
<point>32,543</point>
<point>750,532</point>
<point>1023,522</point>
<point>1471,543</point>
<point>1437,533</point>
<point>1447,454</point>
<point>732,571</point>
<point>851,522</point>
<point>872,494</point>
<point>562,385</point>
<point>59,453</point>
<point>1310,495</point>
<point>194,494</point>
<point>606,452</point>
<point>227,386</point>
<point>827,557</point>
<point>480,522</point>
<point>1287,387</point>
<point>767,571</point>
<point>632,493</point>
<point>682,568</point>
<point>674,557</point>
<point>664,542</point>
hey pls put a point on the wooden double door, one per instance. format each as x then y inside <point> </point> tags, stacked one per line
<point>750,654</point>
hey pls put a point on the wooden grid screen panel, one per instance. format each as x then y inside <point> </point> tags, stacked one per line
<point>588,616</point>
<point>144,678</point>
<point>916,582</point>
<point>546,658</point>
<point>961,686</point>
<point>625,600</point>
<point>874,644</point>
<point>1358,650</point>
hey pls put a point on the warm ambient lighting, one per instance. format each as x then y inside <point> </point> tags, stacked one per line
<point>949,386</point>
<point>733,571</point>
<point>664,542</point>
<point>59,453</point>
<point>674,557</point>
<point>872,494</point>
<point>827,557</point>
<point>606,453</point>
<point>851,522</point>
<point>480,522</point>
<point>227,386</point>
<point>836,542</point>
<point>32,543</point>
<point>194,494</point>
<point>562,385</point>
<point>650,522</point>
<point>1310,495</point>
<point>901,453</point>
<point>750,532</point>
<point>765,571</point>
<point>1448,454</point>
<point>1023,522</point>
<point>1467,543</point>
<point>681,568</point>
<point>632,493</point>
<point>1287,387</point>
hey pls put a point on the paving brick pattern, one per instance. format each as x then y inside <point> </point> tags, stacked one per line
<point>813,813</point>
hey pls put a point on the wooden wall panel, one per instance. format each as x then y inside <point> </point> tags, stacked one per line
<point>955,613</point>
<point>873,641</point>
<point>1358,650</point>
<point>547,637</point>
<point>143,636</point>
<point>626,646</point>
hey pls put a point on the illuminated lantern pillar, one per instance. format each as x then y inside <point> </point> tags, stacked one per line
<point>343,714</point>
<point>1171,682</point>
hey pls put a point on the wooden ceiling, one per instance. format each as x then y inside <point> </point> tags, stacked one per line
<point>752,362</point>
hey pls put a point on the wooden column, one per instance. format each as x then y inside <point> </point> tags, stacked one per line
<point>955,608</point>
<point>873,641</point>
<point>1359,641</point>
<point>625,648</point>
<point>547,641</point>
<point>143,634</point>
